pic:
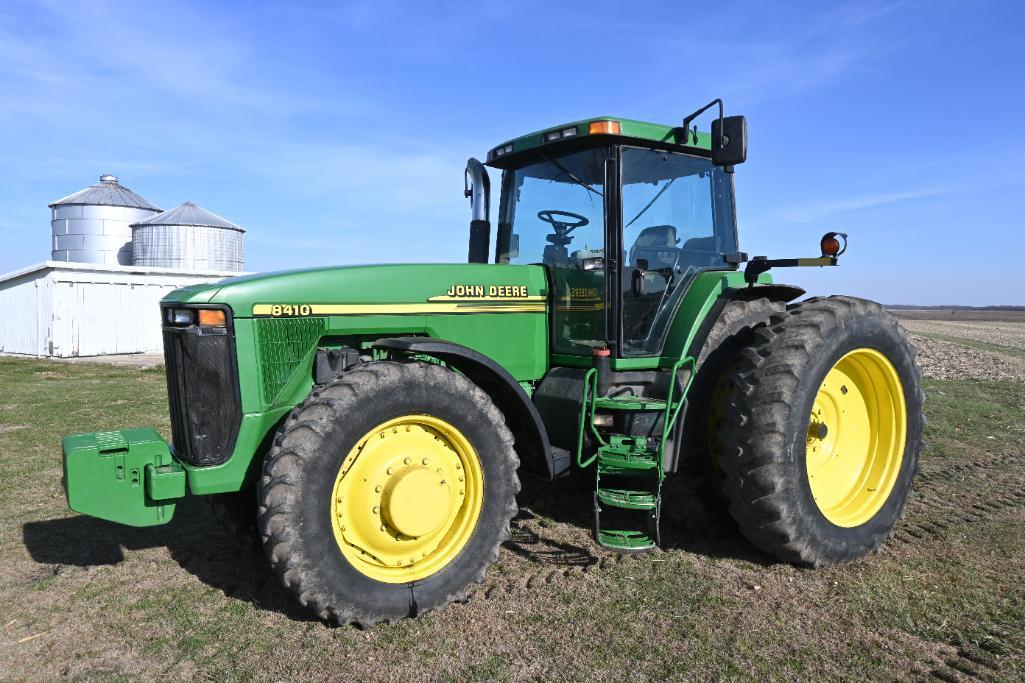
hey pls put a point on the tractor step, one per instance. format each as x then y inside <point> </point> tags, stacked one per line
<point>636,403</point>
<point>629,472</point>
<point>627,455</point>
<point>626,541</point>
<point>628,499</point>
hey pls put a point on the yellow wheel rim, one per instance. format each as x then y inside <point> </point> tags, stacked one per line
<point>856,436</point>
<point>407,498</point>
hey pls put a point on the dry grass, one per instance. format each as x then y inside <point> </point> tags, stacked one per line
<point>87,599</point>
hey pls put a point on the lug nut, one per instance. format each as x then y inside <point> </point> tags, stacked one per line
<point>391,470</point>
<point>377,509</point>
<point>406,461</point>
<point>377,489</point>
<point>425,461</point>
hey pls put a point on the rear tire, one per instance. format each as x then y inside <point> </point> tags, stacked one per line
<point>320,505</point>
<point>842,357</point>
<point>718,358</point>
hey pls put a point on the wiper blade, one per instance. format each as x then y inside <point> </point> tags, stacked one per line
<point>648,205</point>
<point>568,172</point>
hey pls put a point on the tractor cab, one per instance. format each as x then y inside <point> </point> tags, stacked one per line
<point>623,215</point>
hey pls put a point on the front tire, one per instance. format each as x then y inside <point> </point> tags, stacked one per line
<point>823,431</point>
<point>388,493</point>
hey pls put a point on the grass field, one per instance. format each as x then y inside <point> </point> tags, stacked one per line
<point>945,598</point>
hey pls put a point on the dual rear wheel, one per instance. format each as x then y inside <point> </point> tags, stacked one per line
<point>822,431</point>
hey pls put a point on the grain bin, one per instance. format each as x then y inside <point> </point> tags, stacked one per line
<point>188,237</point>
<point>93,225</point>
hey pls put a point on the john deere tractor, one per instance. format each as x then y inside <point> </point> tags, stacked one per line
<point>369,424</point>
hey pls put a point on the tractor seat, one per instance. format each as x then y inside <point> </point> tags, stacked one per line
<point>700,252</point>
<point>656,245</point>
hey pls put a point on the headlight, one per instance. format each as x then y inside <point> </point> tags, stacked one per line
<point>181,316</point>
<point>204,317</point>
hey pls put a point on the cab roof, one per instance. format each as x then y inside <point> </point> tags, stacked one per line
<point>596,130</point>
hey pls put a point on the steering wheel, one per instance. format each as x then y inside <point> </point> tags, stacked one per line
<point>562,227</point>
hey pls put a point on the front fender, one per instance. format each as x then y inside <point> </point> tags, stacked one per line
<point>521,415</point>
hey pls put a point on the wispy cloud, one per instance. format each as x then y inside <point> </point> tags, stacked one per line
<point>815,211</point>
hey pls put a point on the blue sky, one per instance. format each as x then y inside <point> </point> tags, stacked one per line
<point>337,132</point>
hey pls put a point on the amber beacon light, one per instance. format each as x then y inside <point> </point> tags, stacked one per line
<point>604,128</point>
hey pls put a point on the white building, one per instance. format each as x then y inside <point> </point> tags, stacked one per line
<point>90,300</point>
<point>82,309</point>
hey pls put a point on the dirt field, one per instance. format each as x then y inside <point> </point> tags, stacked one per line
<point>956,344</point>
<point>943,600</point>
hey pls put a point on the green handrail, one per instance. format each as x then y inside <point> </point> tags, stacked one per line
<point>669,419</point>
<point>587,409</point>
<point>590,395</point>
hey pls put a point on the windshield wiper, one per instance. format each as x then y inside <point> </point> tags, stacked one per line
<point>568,172</point>
<point>648,205</point>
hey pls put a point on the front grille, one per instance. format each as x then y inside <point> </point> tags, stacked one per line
<point>203,393</point>
<point>284,344</point>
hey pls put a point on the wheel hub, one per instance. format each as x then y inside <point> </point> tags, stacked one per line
<point>416,501</point>
<point>407,498</point>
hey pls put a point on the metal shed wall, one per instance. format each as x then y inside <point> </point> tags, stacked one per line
<point>75,310</point>
<point>25,301</point>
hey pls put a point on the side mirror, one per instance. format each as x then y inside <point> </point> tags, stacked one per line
<point>514,245</point>
<point>729,141</point>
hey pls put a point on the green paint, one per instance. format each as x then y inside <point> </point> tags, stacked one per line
<point>630,130</point>
<point>127,476</point>
<point>699,300</point>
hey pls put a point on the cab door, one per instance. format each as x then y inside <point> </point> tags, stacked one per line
<point>553,214</point>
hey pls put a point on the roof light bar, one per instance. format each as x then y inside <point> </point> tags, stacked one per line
<point>560,134</point>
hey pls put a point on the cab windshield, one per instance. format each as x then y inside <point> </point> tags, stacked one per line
<point>676,213</point>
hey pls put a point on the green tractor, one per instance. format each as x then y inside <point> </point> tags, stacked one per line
<point>369,423</point>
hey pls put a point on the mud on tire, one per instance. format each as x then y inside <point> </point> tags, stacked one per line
<point>732,332</point>
<point>766,429</point>
<point>295,490</point>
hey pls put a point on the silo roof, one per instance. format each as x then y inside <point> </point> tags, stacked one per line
<point>190,214</point>
<point>107,192</point>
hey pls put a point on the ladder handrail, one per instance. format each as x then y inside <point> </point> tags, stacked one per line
<point>590,395</point>
<point>671,414</point>
<point>587,409</point>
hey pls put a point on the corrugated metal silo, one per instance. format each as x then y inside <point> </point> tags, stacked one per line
<point>94,224</point>
<point>188,237</point>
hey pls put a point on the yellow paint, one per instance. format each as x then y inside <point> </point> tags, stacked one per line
<point>853,466</point>
<point>530,305</point>
<point>407,499</point>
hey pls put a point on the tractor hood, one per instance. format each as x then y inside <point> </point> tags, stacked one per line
<point>426,288</point>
